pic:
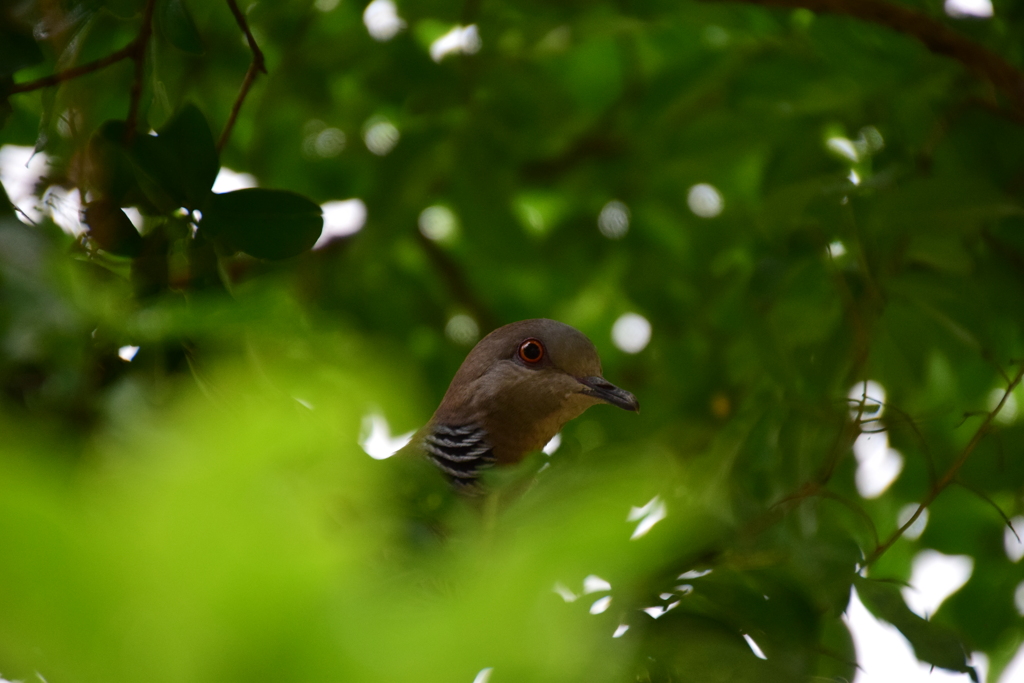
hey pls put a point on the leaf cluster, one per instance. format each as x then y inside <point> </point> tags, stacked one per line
<point>797,201</point>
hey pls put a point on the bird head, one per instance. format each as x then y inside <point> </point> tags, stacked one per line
<point>525,380</point>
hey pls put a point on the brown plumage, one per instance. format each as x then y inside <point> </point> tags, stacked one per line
<point>512,394</point>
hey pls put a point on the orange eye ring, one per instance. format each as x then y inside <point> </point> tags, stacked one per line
<point>531,351</point>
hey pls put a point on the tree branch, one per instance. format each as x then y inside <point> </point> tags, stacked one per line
<point>951,473</point>
<point>75,71</point>
<point>138,55</point>
<point>456,281</point>
<point>935,36</point>
<point>256,67</point>
<point>134,50</point>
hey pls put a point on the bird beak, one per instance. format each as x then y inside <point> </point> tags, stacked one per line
<point>602,389</point>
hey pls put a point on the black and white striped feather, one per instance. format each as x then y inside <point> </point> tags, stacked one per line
<point>460,452</point>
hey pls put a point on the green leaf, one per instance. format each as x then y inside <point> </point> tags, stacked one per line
<point>270,224</point>
<point>838,660</point>
<point>175,23</point>
<point>180,163</point>
<point>933,643</point>
<point>112,229</point>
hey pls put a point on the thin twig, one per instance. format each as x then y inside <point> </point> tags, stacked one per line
<point>968,415</point>
<point>138,55</point>
<point>935,36</point>
<point>951,473</point>
<point>856,509</point>
<point>814,489</point>
<point>75,71</point>
<point>985,497</point>
<point>256,67</point>
<point>847,435</point>
<point>133,50</point>
<point>457,284</point>
<point>809,489</point>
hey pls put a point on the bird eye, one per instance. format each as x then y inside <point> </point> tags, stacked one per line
<point>531,351</point>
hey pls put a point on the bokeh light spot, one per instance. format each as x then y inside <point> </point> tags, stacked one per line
<point>836,249</point>
<point>341,218</point>
<point>878,466</point>
<point>20,171</point>
<point>963,9</point>
<point>459,40</point>
<point>564,592</point>
<point>631,333</point>
<point>705,200</point>
<point>871,140</point>
<point>462,329</point>
<point>380,136</point>
<point>1008,413</point>
<point>65,209</point>
<point>657,610</point>
<point>754,647</point>
<point>872,395</point>
<point>229,181</point>
<point>551,446</point>
<point>613,221</point>
<point>1013,545</point>
<point>375,437</point>
<point>933,578</point>
<point>843,147</point>
<point>382,21</point>
<point>601,605</point>
<point>438,223</point>
<point>329,143</point>
<point>648,515</point>
<point>915,530</point>
<point>135,216</point>
<point>693,574</point>
<point>595,584</point>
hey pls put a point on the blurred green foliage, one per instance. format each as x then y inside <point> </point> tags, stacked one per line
<point>204,512</point>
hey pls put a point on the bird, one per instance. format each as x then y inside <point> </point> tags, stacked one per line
<point>514,391</point>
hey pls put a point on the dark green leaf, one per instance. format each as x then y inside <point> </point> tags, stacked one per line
<point>176,24</point>
<point>838,660</point>
<point>17,50</point>
<point>112,229</point>
<point>180,162</point>
<point>270,224</point>
<point>110,171</point>
<point>932,643</point>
